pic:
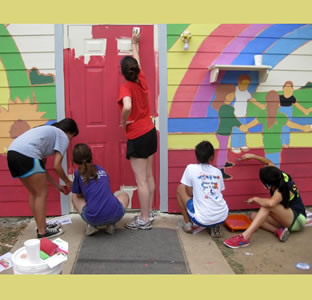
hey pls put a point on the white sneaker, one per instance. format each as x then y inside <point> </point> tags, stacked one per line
<point>236,150</point>
<point>152,215</point>
<point>187,227</point>
<point>90,230</point>
<point>137,223</point>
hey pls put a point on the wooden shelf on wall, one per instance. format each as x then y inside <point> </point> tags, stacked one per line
<point>262,69</point>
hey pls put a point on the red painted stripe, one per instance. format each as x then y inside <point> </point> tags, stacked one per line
<point>245,182</point>
<point>14,196</point>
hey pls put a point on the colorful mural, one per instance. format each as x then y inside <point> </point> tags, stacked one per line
<point>27,99</point>
<point>239,112</point>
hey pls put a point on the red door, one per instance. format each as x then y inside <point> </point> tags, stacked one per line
<point>92,81</point>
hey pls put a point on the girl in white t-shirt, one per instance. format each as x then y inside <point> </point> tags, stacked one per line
<point>200,193</point>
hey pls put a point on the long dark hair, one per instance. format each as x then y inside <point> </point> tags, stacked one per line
<point>273,176</point>
<point>130,68</point>
<point>82,156</point>
<point>68,126</point>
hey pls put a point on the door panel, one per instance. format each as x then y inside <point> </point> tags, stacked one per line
<point>92,82</point>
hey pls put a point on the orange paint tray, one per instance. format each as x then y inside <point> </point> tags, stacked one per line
<point>237,222</point>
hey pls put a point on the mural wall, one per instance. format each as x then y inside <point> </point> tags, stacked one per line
<point>239,113</point>
<point>27,99</point>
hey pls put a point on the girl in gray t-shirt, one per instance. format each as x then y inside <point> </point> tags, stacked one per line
<point>27,157</point>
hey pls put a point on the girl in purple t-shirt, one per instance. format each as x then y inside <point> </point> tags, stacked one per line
<point>92,195</point>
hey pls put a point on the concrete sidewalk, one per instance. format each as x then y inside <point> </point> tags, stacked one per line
<point>201,253</point>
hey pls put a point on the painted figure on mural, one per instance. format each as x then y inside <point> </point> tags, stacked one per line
<point>27,156</point>
<point>286,102</point>
<point>92,196</point>
<point>140,132</point>
<point>225,94</point>
<point>281,213</point>
<point>242,96</point>
<point>200,193</point>
<point>273,121</point>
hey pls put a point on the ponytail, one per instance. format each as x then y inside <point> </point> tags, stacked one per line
<point>82,156</point>
<point>130,68</point>
<point>87,171</point>
<point>284,189</point>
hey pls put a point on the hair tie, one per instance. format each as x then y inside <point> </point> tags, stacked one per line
<point>286,178</point>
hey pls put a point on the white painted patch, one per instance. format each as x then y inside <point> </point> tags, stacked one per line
<point>86,58</point>
<point>156,37</point>
<point>97,46</point>
<point>124,46</point>
<point>39,60</point>
<point>77,36</point>
<point>36,44</point>
<point>94,47</point>
<point>80,39</point>
<point>296,67</point>
<point>31,29</point>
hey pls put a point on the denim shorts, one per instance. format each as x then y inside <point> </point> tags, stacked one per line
<point>191,213</point>
<point>108,221</point>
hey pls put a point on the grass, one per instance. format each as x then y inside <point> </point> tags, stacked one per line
<point>10,230</point>
<point>227,253</point>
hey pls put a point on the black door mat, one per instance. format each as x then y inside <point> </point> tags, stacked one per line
<point>155,251</point>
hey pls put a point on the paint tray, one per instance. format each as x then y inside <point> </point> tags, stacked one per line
<point>237,222</point>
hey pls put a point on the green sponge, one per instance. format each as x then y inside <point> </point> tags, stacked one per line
<point>43,255</point>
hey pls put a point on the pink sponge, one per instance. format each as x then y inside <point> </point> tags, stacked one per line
<point>48,247</point>
<point>66,190</point>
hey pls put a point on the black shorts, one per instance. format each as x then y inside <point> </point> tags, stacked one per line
<point>23,166</point>
<point>143,146</point>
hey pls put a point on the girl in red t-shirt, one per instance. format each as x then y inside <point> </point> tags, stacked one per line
<point>140,132</point>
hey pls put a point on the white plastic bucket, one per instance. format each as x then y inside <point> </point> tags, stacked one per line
<point>129,189</point>
<point>23,266</point>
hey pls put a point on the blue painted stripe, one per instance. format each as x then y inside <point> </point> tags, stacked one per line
<point>210,125</point>
<point>293,41</point>
<point>263,41</point>
<point>200,125</point>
